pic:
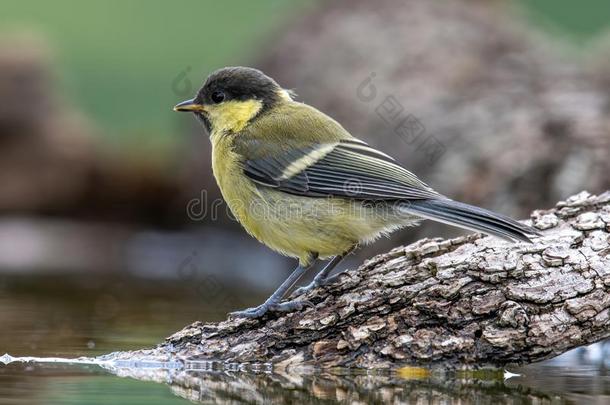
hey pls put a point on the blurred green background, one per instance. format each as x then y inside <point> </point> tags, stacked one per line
<point>120,60</point>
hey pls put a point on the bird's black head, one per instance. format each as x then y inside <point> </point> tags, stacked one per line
<point>241,84</point>
<point>232,96</point>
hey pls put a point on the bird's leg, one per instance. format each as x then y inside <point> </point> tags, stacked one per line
<point>273,302</point>
<point>322,277</point>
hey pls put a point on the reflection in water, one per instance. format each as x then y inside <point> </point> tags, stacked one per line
<point>210,383</point>
<point>206,382</point>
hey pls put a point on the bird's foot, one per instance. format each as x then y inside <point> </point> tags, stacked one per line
<point>259,311</point>
<point>305,289</point>
<point>290,306</point>
<point>255,312</point>
<point>316,282</point>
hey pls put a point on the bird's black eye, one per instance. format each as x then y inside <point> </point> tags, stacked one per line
<point>218,97</point>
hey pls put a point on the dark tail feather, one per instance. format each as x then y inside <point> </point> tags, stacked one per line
<point>471,217</point>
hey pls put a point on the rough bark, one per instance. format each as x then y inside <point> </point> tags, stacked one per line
<point>469,301</point>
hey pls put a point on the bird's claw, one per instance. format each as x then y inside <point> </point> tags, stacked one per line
<point>289,306</point>
<point>259,311</point>
<point>305,289</point>
<point>315,283</point>
<point>255,312</point>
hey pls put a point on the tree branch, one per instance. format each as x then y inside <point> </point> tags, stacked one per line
<point>468,301</point>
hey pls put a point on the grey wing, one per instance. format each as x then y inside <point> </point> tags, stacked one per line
<point>348,168</point>
<point>352,169</point>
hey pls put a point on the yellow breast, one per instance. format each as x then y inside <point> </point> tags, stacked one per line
<point>292,225</point>
<point>237,190</point>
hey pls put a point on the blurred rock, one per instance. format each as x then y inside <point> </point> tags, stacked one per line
<point>25,87</point>
<point>53,162</point>
<point>496,118</point>
<point>45,148</point>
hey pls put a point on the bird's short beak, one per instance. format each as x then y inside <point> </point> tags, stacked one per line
<point>189,106</point>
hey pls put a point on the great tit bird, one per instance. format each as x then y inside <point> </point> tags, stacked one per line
<point>301,184</point>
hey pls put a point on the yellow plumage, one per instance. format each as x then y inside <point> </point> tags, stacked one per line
<point>292,225</point>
